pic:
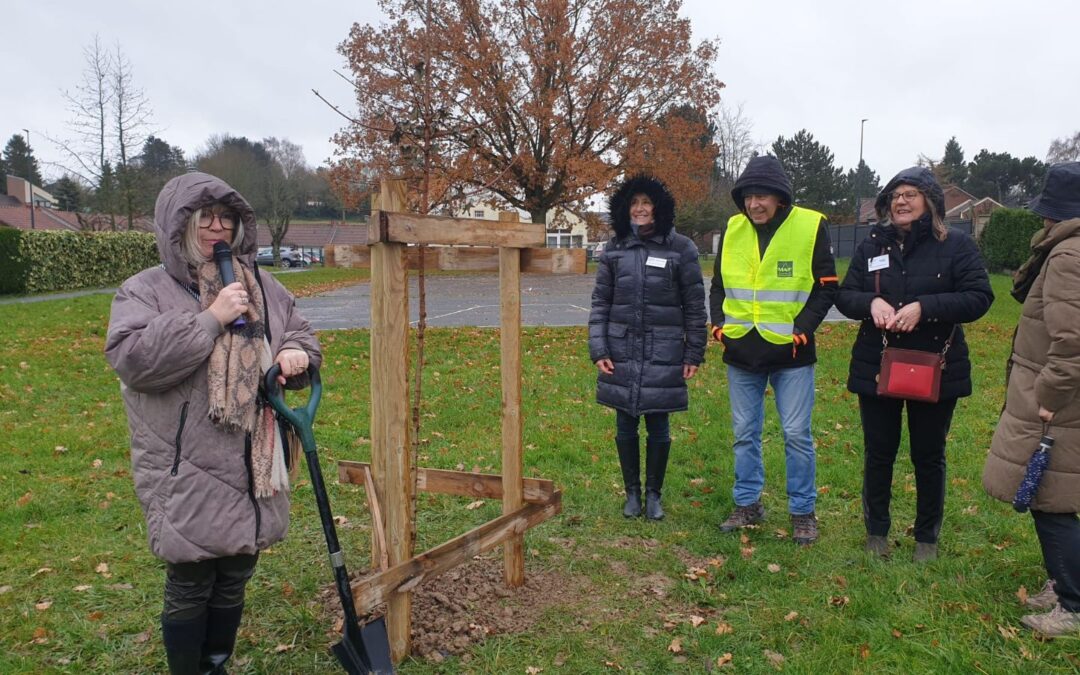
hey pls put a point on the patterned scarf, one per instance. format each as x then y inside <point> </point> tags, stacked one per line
<point>237,363</point>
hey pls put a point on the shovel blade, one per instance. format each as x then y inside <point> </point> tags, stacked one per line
<point>365,649</point>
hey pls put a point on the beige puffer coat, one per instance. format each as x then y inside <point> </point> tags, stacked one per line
<point>1044,370</point>
<point>192,479</point>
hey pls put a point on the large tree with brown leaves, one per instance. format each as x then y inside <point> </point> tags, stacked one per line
<point>540,102</point>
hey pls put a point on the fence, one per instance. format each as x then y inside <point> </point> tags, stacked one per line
<point>846,237</point>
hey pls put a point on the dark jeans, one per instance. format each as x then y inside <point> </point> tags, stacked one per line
<point>928,425</point>
<point>1059,536</point>
<point>190,588</point>
<point>656,425</point>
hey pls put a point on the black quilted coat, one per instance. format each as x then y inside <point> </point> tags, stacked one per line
<point>648,318</point>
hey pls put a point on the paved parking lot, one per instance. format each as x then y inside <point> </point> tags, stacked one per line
<point>473,300</point>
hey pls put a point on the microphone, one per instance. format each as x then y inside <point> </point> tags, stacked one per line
<point>223,257</point>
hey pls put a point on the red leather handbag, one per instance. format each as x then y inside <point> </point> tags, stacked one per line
<point>911,374</point>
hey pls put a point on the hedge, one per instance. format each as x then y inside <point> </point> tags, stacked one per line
<point>1006,240</point>
<point>40,261</point>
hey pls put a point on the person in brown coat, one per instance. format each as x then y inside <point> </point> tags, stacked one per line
<point>206,453</point>
<point>1043,380</point>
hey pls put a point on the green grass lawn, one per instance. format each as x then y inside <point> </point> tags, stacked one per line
<point>79,591</point>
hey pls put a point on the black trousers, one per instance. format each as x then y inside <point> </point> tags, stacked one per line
<point>928,425</point>
<point>192,588</point>
<point>1059,536</point>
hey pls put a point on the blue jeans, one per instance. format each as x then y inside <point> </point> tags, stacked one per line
<point>794,390</point>
<point>656,425</point>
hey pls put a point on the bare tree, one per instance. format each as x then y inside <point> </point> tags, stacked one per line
<point>1064,149</point>
<point>90,105</point>
<point>130,124</point>
<point>734,140</point>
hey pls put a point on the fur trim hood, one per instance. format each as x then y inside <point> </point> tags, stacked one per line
<point>663,205</point>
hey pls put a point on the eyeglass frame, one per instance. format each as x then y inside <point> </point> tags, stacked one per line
<point>908,195</point>
<point>231,215</point>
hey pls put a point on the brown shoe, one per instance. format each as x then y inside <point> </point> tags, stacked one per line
<point>744,516</point>
<point>804,528</point>
<point>1055,623</point>
<point>1045,599</point>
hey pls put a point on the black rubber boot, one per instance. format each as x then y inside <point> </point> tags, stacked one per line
<point>630,461</point>
<point>183,644</point>
<point>221,627</point>
<point>656,458</point>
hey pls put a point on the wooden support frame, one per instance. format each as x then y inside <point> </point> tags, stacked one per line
<point>526,502</point>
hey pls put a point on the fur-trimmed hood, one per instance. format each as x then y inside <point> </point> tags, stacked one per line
<point>663,205</point>
<point>919,177</point>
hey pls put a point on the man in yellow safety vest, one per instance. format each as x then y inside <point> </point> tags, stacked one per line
<point>773,283</point>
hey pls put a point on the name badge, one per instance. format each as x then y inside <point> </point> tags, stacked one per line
<point>877,263</point>
<point>653,261</point>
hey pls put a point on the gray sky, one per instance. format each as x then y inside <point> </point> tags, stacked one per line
<point>992,73</point>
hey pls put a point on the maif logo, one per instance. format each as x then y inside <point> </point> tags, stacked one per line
<point>785,268</point>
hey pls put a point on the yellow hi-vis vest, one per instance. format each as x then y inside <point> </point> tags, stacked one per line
<point>767,292</point>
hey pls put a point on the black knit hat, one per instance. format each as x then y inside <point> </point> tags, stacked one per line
<point>763,175</point>
<point>1060,196</point>
<point>663,204</point>
<point>918,177</point>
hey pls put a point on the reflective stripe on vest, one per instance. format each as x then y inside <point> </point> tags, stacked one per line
<point>767,292</point>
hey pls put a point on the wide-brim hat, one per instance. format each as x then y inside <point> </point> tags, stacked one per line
<point>1060,196</point>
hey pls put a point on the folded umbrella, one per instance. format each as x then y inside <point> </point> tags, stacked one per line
<point>1033,474</point>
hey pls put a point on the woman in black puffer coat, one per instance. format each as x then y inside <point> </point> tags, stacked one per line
<point>646,330</point>
<point>914,282</point>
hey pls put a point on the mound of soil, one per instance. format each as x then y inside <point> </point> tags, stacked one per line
<point>464,606</point>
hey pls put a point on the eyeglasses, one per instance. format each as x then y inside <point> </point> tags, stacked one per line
<point>906,195</point>
<point>227,219</point>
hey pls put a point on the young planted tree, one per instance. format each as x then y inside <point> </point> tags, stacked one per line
<point>538,102</point>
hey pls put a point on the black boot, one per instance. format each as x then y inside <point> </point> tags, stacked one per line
<point>183,644</point>
<point>221,627</point>
<point>656,457</point>
<point>630,461</point>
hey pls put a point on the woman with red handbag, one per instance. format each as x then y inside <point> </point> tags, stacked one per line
<point>911,283</point>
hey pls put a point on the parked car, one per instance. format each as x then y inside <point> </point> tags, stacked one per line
<point>290,257</point>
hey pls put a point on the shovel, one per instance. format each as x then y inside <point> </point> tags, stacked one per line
<point>363,649</point>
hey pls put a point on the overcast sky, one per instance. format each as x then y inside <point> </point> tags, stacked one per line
<point>1001,75</point>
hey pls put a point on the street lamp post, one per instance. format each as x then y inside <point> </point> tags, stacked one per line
<point>858,173</point>
<point>29,178</point>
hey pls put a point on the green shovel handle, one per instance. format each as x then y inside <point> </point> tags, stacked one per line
<point>301,418</point>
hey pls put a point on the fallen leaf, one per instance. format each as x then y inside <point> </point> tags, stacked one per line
<point>341,521</point>
<point>96,463</point>
<point>41,570</point>
<point>287,589</point>
<point>612,664</point>
<point>43,605</point>
<point>791,616</point>
<point>25,499</point>
<point>864,651</point>
<point>5,589</point>
<point>676,646</point>
<point>1026,654</point>
<point>143,636</point>
<point>776,660</point>
<point>1007,633</point>
<point>747,552</point>
<point>897,634</point>
<point>96,615</point>
<point>102,568</point>
<point>774,568</point>
<point>119,587</point>
<point>781,533</point>
<point>744,539</point>
<point>283,648</point>
<point>82,587</point>
<point>40,632</point>
<point>1022,594</point>
<point>724,660</point>
<point>839,600</point>
<point>724,628</point>
<point>533,670</point>
<point>697,481</point>
<point>696,621</point>
<point>475,505</point>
